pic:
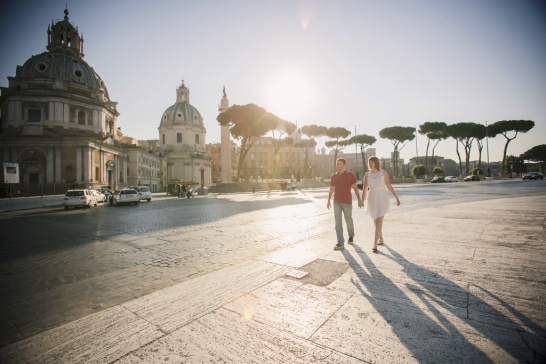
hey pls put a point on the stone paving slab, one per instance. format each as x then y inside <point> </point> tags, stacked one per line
<point>176,306</point>
<point>99,338</point>
<point>226,337</point>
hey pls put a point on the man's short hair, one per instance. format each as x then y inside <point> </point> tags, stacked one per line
<point>342,160</point>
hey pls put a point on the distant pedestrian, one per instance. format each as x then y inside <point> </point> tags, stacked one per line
<point>341,184</point>
<point>377,200</point>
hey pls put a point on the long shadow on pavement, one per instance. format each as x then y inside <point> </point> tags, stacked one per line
<point>429,336</point>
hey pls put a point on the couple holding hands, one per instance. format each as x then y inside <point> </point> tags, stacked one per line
<point>374,196</point>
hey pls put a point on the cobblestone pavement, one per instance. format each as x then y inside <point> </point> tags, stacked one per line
<point>57,266</point>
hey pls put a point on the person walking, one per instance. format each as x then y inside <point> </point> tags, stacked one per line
<point>374,193</point>
<point>341,184</point>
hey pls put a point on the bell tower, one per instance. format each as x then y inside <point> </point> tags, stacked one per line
<point>63,37</point>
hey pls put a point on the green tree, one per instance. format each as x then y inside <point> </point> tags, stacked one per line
<point>312,132</point>
<point>538,154</point>
<point>249,123</point>
<point>505,127</point>
<point>418,170</point>
<point>337,144</point>
<point>476,170</point>
<point>463,133</point>
<point>438,170</point>
<point>306,145</point>
<point>363,141</point>
<point>279,141</point>
<point>480,132</point>
<point>515,164</point>
<point>434,130</point>
<point>397,135</point>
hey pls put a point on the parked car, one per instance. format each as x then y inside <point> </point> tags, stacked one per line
<point>437,179</point>
<point>75,198</point>
<point>471,178</point>
<point>99,195</point>
<point>125,196</point>
<point>451,179</point>
<point>106,192</point>
<point>533,175</point>
<point>144,193</point>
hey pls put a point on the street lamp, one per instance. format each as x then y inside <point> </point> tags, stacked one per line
<point>487,143</point>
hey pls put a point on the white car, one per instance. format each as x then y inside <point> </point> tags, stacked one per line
<point>75,198</point>
<point>144,193</point>
<point>124,196</point>
<point>99,195</point>
<point>451,179</point>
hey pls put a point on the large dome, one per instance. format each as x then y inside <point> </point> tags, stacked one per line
<point>182,112</point>
<point>61,67</point>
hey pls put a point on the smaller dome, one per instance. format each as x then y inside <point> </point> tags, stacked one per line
<point>182,113</point>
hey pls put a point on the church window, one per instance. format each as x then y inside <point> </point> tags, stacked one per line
<point>78,73</point>
<point>163,138</point>
<point>179,137</point>
<point>196,138</point>
<point>81,118</point>
<point>41,67</point>
<point>179,115</point>
<point>34,115</point>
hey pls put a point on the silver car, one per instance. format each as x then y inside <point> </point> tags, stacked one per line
<point>75,198</point>
<point>125,196</point>
<point>145,193</point>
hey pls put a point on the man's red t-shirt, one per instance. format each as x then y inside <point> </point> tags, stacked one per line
<point>343,183</point>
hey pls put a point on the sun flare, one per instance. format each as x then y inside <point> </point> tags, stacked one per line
<point>289,93</point>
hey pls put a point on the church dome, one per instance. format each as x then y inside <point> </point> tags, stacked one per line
<point>182,112</point>
<point>63,61</point>
<point>61,67</point>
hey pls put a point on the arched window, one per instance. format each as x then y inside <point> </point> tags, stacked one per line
<point>97,174</point>
<point>81,117</point>
<point>179,137</point>
<point>196,138</point>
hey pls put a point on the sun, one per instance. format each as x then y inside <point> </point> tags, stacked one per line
<point>289,93</point>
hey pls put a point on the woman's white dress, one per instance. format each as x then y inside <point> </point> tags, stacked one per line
<point>377,200</point>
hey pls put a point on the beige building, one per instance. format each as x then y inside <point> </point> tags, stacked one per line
<point>143,168</point>
<point>58,120</point>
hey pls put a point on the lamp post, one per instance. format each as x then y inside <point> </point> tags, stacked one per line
<point>487,146</point>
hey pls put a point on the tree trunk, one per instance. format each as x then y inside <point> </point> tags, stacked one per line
<point>467,148</point>
<point>459,155</point>
<point>364,162</point>
<point>508,140</point>
<point>480,147</point>
<point>426,158</point>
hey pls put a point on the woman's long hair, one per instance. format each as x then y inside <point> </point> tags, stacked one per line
<point>376,163</point>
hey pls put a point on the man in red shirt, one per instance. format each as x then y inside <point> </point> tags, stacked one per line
<point>340,186</point>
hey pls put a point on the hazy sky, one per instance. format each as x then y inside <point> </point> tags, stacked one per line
<point>373,64</point>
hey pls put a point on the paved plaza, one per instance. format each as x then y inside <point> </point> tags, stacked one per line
<point>215,279</point>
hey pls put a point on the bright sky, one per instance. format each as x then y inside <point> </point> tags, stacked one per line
<point>364,63</point>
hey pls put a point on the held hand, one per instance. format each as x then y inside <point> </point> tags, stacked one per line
<point>361,203</point>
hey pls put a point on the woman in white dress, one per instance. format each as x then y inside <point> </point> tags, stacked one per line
<point>376,199</point>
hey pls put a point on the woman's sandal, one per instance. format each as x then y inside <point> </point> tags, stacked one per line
<point>374,249</point>
<point>380,242</point>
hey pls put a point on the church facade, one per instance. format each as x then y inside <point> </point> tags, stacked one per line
<point>58,121</point>
<point>182,142</point>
